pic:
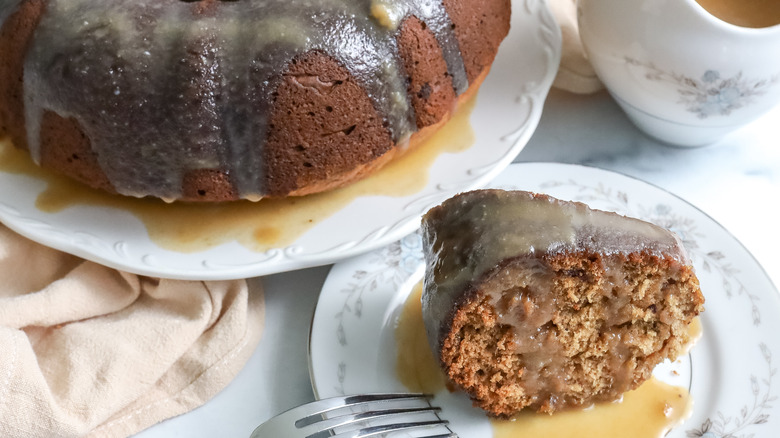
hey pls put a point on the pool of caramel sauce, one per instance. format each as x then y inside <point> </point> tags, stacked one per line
<point>650,411</point>
<point>259,226</point>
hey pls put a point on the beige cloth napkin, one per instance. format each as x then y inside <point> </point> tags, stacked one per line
<point>575,73</point>
<point>90,351</point>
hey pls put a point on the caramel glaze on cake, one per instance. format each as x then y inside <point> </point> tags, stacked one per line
<point>221,100</point>
<point>532,302</point>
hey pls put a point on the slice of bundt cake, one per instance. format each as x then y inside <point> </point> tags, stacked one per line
<point>534,302</point>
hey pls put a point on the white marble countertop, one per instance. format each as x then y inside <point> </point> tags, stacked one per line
<point>736,182</point>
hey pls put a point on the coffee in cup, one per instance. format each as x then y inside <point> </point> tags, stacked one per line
<point>744,13</point>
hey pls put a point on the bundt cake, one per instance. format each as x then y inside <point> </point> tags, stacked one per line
<point>218,100</point>
<point>533,302</point>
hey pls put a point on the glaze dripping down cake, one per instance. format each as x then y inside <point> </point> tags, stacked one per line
<point>217,100</point>
<point>533,302</point>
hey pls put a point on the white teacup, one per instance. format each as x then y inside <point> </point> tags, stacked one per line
<point>682,75</point>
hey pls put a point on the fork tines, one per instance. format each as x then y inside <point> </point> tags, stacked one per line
<point>371,415</point>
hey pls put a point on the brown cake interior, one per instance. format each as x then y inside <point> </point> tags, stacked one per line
<point>568,329</point>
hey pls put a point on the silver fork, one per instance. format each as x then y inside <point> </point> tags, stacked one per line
<point>358,416</point>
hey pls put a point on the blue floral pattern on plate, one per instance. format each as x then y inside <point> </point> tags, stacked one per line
<point>730,373</point>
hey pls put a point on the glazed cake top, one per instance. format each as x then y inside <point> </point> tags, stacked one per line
<point>185,86</point>
<point>483,227</point>
<point>472,233</point>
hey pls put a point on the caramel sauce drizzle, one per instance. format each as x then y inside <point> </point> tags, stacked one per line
<point>259,226</point>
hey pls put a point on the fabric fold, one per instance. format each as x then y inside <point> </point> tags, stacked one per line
<point>87,350</point>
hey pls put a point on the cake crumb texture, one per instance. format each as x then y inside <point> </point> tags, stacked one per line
<point>594,335</point>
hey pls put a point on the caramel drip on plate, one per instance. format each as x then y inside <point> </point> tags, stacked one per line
<point>260,226</point>
<point>650,411</point>
<point>695,331</point>
<point>415,365</point>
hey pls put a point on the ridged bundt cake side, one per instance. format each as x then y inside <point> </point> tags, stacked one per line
<point>220,100</point>
<point>531,302</point>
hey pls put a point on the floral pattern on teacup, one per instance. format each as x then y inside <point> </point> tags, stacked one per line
<point>710,95</point>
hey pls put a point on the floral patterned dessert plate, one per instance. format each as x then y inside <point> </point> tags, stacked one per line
<point>731,372</point>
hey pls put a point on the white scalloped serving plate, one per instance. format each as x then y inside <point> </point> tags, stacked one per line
<point>731,372</point>
<point>507,112</point>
